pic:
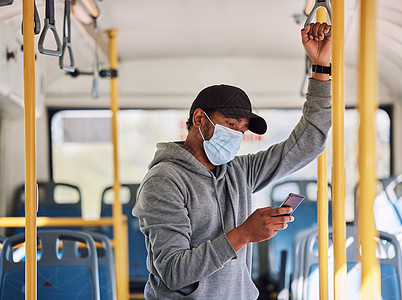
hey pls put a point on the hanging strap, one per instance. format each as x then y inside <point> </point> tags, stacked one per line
<point>319,3</point>
<point>67,40</point>
<point>36,21</point>
<point>6,2</point>
<point>95,82</point>
<point>50,25</point>
<point>307,75</point>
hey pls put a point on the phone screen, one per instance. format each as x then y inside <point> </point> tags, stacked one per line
<point>292,200</point>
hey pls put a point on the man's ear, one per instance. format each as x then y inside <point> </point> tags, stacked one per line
<point>198,117</point>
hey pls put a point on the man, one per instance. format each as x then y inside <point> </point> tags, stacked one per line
<point>194,204</point>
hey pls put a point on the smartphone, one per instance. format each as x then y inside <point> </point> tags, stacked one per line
<point>292,200</point>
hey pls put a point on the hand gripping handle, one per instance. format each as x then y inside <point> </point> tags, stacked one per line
<point>319,3</point>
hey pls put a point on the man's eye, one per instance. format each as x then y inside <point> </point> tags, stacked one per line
<point>231,124</point>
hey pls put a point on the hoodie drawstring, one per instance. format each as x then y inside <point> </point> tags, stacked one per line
<point>228,199</point>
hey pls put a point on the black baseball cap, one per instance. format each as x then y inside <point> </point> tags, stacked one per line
<point>231,101</point>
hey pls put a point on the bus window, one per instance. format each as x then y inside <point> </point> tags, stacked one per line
<point>82,150</point>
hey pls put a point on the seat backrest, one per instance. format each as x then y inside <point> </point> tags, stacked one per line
<point>62,272</point>
<point>393,189</point>
<point>2,238</point>
<point>56,199</point>
<point>305,218</point>
<point>138,271</point>
<point>299,248</point>
<point>52,193</point>
<point>106,270</point>
<point>387,215</point>
<point>391,269</point>
<point>388,251</point>
<point>309,273</point>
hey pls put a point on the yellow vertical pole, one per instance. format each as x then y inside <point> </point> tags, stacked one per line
<point>126,256</point>
<point>30,149</point>
<point>120,245</point>
<point>322,205</point>
<point>322,214</point>
<point>338,149</point>
<point>370,288</point>
<point>321,15</point>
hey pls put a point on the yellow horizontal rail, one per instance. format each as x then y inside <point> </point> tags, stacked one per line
<point>51,221</point>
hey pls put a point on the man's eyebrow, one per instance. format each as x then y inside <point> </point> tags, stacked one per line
<point>246,125</point>
<point>239,120</point>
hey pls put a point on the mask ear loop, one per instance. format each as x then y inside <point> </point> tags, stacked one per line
<point>208,118</point>
<point>199,129</point>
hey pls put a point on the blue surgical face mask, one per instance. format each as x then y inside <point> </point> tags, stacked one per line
<point>222,147</point>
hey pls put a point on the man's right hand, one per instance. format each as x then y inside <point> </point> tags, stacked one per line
<point>317,46</point>
<point>261,225</point>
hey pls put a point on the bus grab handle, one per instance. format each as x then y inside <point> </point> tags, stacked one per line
<point>67,46</point>
<point>319,3</point>
<point>67,40</point>
<point>49,25</point>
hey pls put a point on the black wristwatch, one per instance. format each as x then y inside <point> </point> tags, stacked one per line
<point>321,69</point>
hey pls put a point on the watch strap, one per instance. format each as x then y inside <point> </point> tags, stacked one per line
<point>321,69</point>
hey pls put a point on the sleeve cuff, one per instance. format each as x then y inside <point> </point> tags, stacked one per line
<point>226,251</point>
<point>319,89</point>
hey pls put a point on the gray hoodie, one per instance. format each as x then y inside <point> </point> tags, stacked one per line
<point>185,210</point>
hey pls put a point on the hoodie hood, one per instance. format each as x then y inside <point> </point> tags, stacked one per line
<point>175,153</point>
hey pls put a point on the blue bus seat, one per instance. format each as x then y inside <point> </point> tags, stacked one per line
<point>62,273</point>
<point>389,282</point>
<point>387,203</point>
<point>306,277</point>
<point>305,217</point>
<point>56,199</point>
<point>2,238</point>
<point>386,215</point>
<point>393,189</point>
<point>106,270</point>
<point>275,272</point>
<point>138,271</point>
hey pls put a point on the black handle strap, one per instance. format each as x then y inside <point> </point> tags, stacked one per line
<point>105,73</point>
<point>36,21</point>
<point>6,2</point>
<point>49,11</point>
<point>49,25</point>
<point>67,20</point>
<point>67,40</point>
<point>112,73</point>
<point>307,75</point>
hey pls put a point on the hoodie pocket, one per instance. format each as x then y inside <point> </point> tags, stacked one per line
<point>233,281</point>
<point>192,291</point>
